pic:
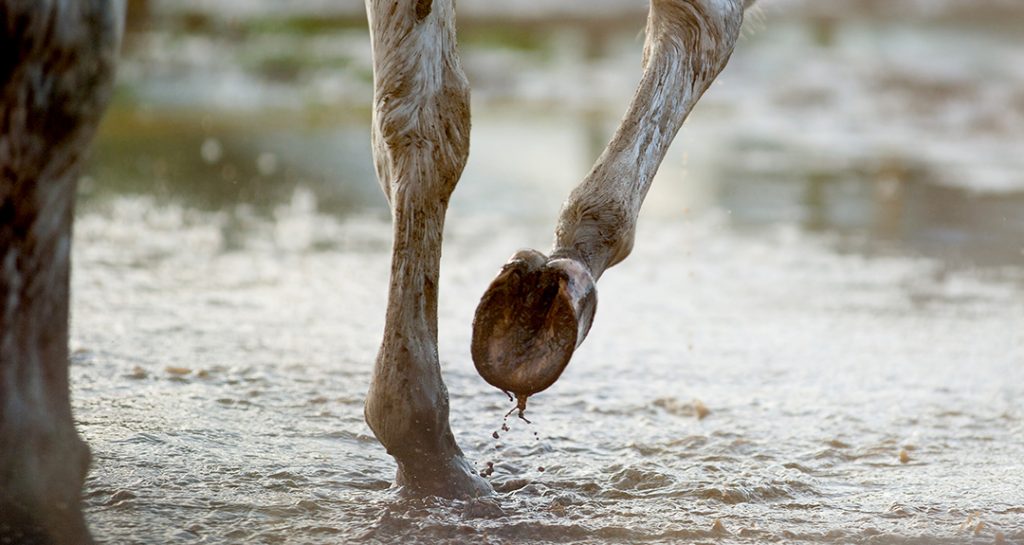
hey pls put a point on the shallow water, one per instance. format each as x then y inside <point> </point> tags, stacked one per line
<point>821,341</point>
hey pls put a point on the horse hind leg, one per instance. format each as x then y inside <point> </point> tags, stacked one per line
<point>56,65</point>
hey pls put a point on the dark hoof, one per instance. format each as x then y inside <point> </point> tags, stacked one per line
<point>530,321</point>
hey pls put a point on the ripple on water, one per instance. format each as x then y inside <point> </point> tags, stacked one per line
<point>788,453</point>
<point>636,482</point>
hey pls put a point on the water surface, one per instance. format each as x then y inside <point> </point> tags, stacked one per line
<point>819,337</point>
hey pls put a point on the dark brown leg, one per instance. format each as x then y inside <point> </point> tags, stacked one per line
<point>56,65</point>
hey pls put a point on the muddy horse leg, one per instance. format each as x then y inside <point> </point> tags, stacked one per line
<point>420,145</point>
<point>56,68</point>
<point>539,308</point>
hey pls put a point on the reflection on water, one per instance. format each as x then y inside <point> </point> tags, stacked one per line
<point>830,263</point>
<point>215,163</point>
<point>886,207</point>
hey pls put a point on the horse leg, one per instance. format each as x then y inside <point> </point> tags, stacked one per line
<point>420,145</point>
<point>539,308</point>
<point>56,65</point>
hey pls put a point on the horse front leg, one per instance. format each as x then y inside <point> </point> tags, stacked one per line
<point>420,146</point>
<point>540,307</point>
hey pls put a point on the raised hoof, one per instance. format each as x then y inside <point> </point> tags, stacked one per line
<point>530,321</point>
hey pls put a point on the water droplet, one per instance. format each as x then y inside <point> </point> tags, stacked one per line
<point>266,163</point>
<point>211,150</point>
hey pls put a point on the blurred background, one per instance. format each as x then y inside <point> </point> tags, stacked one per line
<point>819,337</point>
<point>896,124</point>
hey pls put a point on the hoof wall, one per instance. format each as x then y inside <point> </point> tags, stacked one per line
<point>530,321</point>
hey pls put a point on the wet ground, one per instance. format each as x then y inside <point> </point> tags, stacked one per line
<point>819,337</point>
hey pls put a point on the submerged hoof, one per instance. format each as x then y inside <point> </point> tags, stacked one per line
<point>445,475</point>
<point>530,321</point>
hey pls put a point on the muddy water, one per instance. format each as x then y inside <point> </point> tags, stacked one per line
<point>819,337</point>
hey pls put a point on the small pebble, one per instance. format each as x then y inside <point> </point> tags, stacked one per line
<point>967,523</point>
<point>138,373</point>
<point>700,410</point>
<point>495,435</point>
<point>177,371</point>
<point>541,469</point>
<point>904,457</point>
